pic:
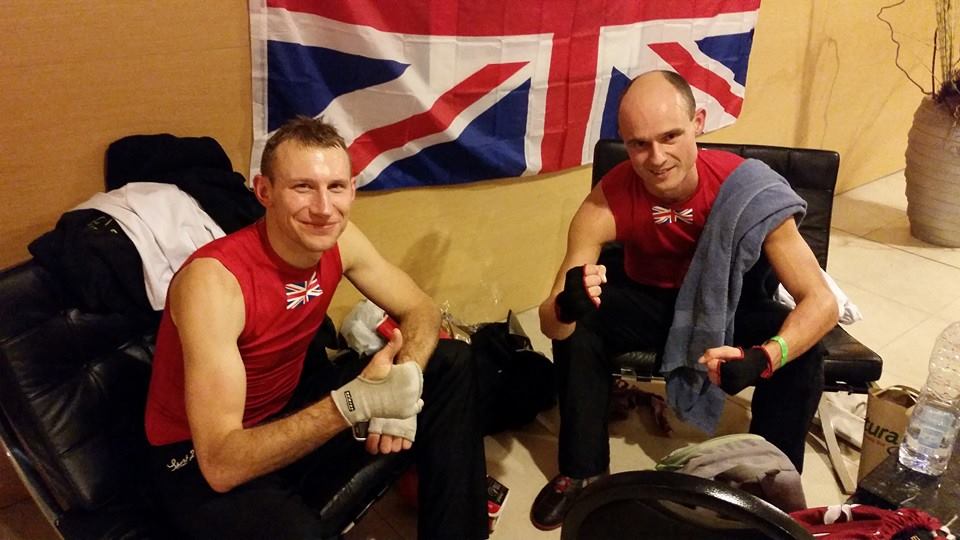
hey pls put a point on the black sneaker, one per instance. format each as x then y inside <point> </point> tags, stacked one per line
<point>555,500</point>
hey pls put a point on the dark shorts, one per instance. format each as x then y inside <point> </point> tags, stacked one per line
<point>287,503</point>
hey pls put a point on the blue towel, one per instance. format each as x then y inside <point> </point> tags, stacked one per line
<point>753,201</point>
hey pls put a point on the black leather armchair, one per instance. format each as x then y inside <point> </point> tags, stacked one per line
<point>848,365</point>
<point>72,395</point>
<point>660,504</point>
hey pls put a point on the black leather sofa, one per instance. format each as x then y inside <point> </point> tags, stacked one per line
<point>72,394</point>
<point>849,366</point>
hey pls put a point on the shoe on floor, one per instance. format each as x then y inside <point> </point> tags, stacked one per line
<point>555,500</point>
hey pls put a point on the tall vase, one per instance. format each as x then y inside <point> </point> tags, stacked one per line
<point>933,175</point>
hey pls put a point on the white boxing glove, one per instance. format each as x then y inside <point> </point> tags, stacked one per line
<point>395,396</point>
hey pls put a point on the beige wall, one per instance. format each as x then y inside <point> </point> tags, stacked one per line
<point>76,75</point>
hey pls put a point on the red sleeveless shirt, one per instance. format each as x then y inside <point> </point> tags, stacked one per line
<point>284,306</point>
<point>659,238</point>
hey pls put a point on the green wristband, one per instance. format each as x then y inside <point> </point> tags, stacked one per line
<point>783,348</point>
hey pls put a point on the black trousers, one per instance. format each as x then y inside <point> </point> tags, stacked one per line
<point>286,503</point>
<point>637,317</point>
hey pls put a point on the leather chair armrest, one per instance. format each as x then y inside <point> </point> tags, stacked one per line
<point>848,364</point>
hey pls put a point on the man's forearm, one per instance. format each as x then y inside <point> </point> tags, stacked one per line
<point>420,328</point>
<point>812,318</point>
<point>552,327</point>
<point>245,454</point>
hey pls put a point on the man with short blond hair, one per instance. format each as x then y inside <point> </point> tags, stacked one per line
<point>238,436</point>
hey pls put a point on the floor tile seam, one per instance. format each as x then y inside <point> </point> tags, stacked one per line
<point>846,231</point>
<point>922,309</point>
<point>912,328</point>
<point>388,522</point>
<point>870,183</point>
<point>864,287</point>
<point>883,224</point>
<point>24,498</point>
<point>953,266</point>
<point>947,300</point>
<point>867,318</point>
<point>880,350</point>
<point>866,235</point>
<point>877,198</point>
<point>926,321</point>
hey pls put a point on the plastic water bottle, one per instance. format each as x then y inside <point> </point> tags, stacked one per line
<point>930,435</point>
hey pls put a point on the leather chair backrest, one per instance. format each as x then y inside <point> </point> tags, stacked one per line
<point>812,174</point>
<point>73,387</point>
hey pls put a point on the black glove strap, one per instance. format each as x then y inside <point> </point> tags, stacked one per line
<point>573,303</point>
<point>735,375</point>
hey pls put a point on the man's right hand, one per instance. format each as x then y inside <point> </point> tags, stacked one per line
<point>581,292</point>
<point>383,389</point>
<point>733,369</point>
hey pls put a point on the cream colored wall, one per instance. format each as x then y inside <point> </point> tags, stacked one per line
<point>822,75</point>
<point>77,75</point>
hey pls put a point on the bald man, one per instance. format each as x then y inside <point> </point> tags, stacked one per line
<point>590,315</point>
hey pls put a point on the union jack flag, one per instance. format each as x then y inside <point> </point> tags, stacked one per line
<point>429,92</point>
<point>662,215</point>
<point>300,292</point>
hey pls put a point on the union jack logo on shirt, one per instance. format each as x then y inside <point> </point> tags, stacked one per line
<point>662,215</point>
<point>300,292</point>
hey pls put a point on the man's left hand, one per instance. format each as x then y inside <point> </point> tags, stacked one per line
<point>389,435</point>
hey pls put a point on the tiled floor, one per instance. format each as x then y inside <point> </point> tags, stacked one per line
<point>907,290</point>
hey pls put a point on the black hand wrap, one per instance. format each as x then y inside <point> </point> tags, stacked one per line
<point>573,303</point>
<point>735,375</point>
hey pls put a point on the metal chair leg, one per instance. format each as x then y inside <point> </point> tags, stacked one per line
<point>827,418</point>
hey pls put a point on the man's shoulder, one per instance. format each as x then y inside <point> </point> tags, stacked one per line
<point>716,166</point>
<point>352,248</point>
<point>618,181</point>
<point>720,159</point>
<point>202,280</point>
<point>202,270</point>
<point>238,245</point>
<point>222,259</point>
<point>620,172</point>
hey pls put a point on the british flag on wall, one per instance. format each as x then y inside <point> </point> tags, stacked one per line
<point>444,92</point>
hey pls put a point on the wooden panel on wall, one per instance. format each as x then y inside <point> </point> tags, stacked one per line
<point>78,75</point>
<point>822,75</point>
<point>480,249</point>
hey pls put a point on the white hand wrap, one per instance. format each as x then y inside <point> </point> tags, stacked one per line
<point>395,396</point>
<point>398,427</point>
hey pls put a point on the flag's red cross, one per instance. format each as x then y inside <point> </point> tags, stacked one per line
<point>663,215</point>
<point>575,29</point>
<point>300,292</point>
